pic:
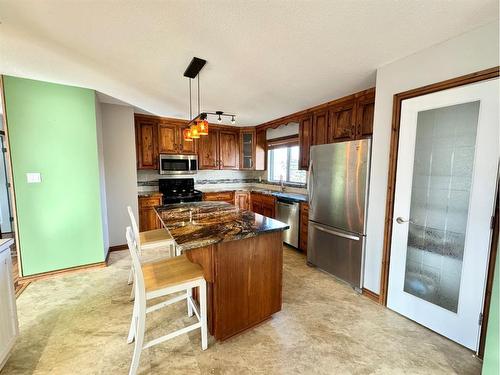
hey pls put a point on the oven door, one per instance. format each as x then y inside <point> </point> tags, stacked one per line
<point>178,164</point>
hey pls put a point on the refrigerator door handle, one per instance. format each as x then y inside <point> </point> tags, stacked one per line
<point>335,233</point>
<point>310,183</point>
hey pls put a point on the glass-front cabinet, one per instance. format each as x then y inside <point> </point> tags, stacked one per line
<point>247,149</point>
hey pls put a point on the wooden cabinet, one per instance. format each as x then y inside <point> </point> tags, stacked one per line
<point>220,196</point>
<point>263,204</point>
<point>171,139</point>
<point>320,128</point>
<point>148,219</point>
<point>242,200</point>
<point>364,114</point>
<point>305,128</point>
<point>8,323</point>
<point>146,136</point>
<point>229,150</point>
<point>219,150</point>
<point>247,149</point>
<point>304,224</point>
<point>342,121</point>
<point>260,150</point>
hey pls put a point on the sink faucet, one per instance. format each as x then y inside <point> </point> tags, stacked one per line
<point>282,187</point>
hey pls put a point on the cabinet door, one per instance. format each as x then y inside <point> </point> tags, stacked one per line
<point>8,321</point>
<point>186,147</point>
<point>364,115</point>
<point>260,151</point>
<point>342,122</point>
<point>320,128</point>
<point>268,210</point>
<point>242,200</point>
<point>304,224</point>
<point>208,157</point>
<point>305,141</point>
<point>167,139</point>
<point>148,220</point>
<point>228,150</point>
<point>247,150</point>
<point>147,144</point>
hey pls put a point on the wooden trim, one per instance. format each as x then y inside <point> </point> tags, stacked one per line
<point>297,116</point>
<point>490,278</point>
<point>48,275</point>
<point>118,248</point>
<point>12,192</point>
<point>393,157</point>
<point>289,140</point>
<point>371,295</point>
<point>182,122</point>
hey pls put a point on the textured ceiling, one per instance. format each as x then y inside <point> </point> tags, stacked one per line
<point>266,59</point>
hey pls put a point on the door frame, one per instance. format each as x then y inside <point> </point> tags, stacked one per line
<point>391,180</point>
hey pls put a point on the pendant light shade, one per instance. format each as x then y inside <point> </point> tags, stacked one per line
<point>203,127</point>
<point>195,134</point>
<point>187,135</point>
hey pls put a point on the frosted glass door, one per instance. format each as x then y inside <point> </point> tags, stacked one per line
<point>445,188</point>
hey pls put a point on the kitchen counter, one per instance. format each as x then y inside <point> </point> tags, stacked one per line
<point>149,194</point>
<point>200,224</point>
<point>292,196</point>
<point>241,254</point>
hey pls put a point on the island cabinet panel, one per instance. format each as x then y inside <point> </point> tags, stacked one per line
<point>305,128</point>
<point>146,135</point>
<point>148,219</point>
<point>224,196</point>
<point>342,121</point>
<point>242,200</point>
<point>229,150</point>
<point>248,287</point>
<point>304,225</point>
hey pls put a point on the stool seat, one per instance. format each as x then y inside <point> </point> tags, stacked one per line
<point>155,238</point>
<point>170,272</point>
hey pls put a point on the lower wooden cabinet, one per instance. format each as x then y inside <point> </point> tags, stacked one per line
<point>148,219</point>
<point>242,200</point>
<point>8,315</point>
<point>263,204</point>
<point>304,223</point>
<point>224,196</point>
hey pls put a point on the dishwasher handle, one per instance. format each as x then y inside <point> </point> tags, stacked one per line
<point>291,206</point>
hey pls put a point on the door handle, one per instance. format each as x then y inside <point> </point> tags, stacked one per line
<point>401,220</point>
<point>335,233</point>
<point>309,182</point>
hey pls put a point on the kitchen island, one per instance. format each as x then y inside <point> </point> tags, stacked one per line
<point>242,258</point>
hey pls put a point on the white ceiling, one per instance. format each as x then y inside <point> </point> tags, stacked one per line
<point>265,59</point>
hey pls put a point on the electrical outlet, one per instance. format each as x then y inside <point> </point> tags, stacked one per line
<point>33,178</point>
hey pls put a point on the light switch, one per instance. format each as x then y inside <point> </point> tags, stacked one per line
<point>34,178</point>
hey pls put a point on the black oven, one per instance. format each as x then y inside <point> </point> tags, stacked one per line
<point>178,164</point>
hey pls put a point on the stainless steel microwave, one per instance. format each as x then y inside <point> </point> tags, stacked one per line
<point>178,164</point>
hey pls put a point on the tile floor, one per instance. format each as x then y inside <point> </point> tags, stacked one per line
<point>77,324</point>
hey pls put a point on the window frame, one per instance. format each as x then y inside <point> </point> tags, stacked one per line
<point>270,166</point>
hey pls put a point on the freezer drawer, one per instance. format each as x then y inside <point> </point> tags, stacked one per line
<point>337,252</point>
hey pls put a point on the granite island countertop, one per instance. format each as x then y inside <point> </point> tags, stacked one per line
<point>199,224</point>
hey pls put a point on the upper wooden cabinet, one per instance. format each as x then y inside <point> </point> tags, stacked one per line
<point>247,149</point>
<point>186,146</point>
<point>219,150</point>
<point>320,128</point>
<point>171,139</point>
<point>305,129</point>
<point>260,150</point>
<point>146,138</point>
<point>342,121</point>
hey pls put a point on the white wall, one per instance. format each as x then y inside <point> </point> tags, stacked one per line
<point>102,177</point>
<point>120,168</point>
<point>470,52</point>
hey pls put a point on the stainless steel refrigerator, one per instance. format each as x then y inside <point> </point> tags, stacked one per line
<point>338,200</point>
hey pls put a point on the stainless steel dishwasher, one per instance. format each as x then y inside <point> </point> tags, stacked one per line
<point>288,211</point>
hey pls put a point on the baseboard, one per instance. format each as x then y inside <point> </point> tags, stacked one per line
<point>118,247</point>
<point>46,275</point>
<point>371,295</point>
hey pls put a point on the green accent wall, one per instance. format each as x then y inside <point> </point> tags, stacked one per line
<point>52,130</point>
<point>491,365</point>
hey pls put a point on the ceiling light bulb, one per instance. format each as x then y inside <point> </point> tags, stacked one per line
<point>219,120</point>
<point>233,120</point>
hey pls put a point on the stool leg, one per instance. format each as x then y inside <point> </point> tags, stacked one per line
<point>132,294</point>
<point>131,331</point>
<point>189,297</point>
<point>203,313</point>
<point>131,276</point>
<point>139,340</point>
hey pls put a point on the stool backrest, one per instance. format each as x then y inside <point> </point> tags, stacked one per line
<point>135,228</point>
<point>140,291</point>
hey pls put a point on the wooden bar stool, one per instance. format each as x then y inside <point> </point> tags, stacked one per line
<point>157,239</point>
<point>158,279</point>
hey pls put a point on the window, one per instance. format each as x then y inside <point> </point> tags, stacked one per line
<point>284,165</point>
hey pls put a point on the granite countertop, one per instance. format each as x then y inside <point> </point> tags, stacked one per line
<point>145,194</point>
<point>293,196</point>
<point>198,224</point>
